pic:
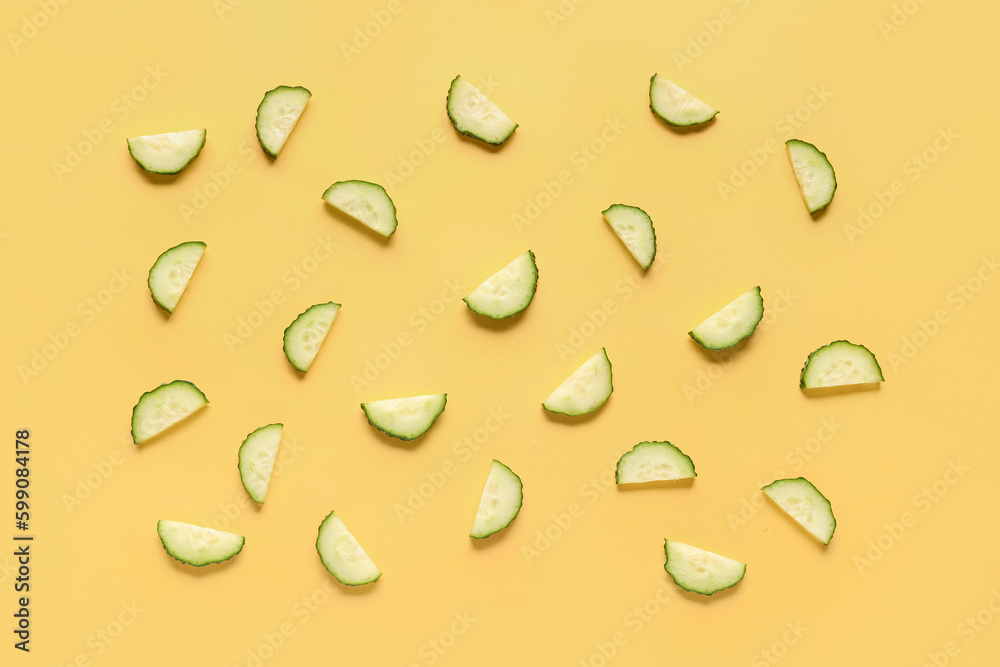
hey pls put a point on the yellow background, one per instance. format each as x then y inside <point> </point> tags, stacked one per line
<point>562,81</point>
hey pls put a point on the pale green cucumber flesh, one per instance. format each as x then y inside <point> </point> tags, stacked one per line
<point>161,408</point>
<point>366,202</point>
<point>634,228</point>
<point>814,173</point>
<point>197,545</point>
<point>701,571</point>
<point>500,502</point>
<point>840,363</point>
<point>167,153</point>
<point>675,106</point>
<point>306,334</point>
<point>508,291</point>
<point>586,390</point>
<point>256,460</point>
<point>342,554</point>
<point>736,321</point>
<point>803,502</point>
<point>405,418</point>
<point>652,462</point>
<point>475,115</point>
<point>171,272</point>
<point>277,115</point>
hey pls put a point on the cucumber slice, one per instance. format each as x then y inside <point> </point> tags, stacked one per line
<point>257,455</point>
<point>586,390</point>
<point>732,324</point>
<point>676,106</point>
<point>197,545</point>
<point>508,291</point>
<point>307,332</point>
<point>840,363</point>
<point>277,115</point>
<point>814,173</point>
<point>804,503</point>
<point>500,502</point>
<point>166,153</point>
<point>368,203</point>
<point>652,462</point>
<point>635,229</point>
<point>475,115</point>
<point>170,273</point>
<point>701,571</point>
<point>342,554</point>
<point>161,408</point>
<point>405,418</point>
